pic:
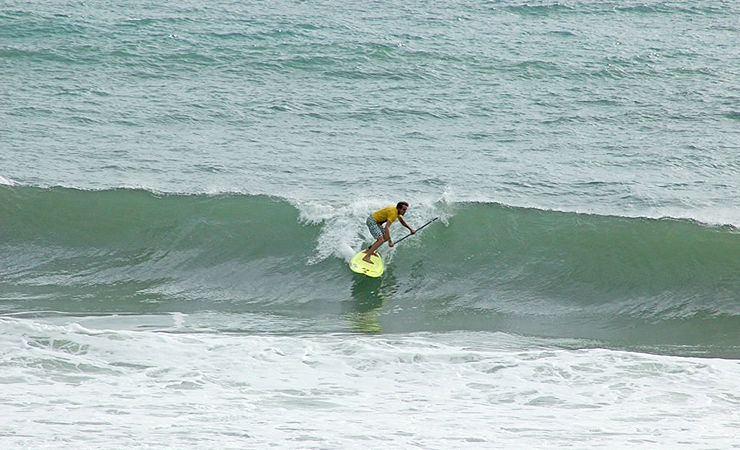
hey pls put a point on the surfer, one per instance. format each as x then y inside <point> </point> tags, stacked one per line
<point>384,218</point>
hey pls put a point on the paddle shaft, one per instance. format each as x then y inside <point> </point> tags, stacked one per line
<point>417,230</point>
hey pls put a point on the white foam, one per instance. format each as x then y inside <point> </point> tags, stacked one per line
<point>7,182</point>
<point>126,388</point>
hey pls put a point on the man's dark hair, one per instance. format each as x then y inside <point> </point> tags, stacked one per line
<point>401,205</point>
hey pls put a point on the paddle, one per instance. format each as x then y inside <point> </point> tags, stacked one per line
<point>417,230</point>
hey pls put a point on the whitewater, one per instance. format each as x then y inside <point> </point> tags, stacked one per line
<point>183,184</point>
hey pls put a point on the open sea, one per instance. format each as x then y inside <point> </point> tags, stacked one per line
<point>182,185</point>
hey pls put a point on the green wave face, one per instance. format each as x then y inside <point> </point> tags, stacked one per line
<point>633,281</point>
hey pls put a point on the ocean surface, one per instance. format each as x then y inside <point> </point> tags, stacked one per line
<point>182,185</point>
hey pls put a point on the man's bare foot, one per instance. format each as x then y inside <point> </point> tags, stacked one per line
<point>367,256</point>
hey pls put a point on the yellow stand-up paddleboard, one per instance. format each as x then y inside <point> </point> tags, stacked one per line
<point>372,270</point>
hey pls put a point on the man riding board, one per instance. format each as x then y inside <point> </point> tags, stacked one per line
<point>384,218</point>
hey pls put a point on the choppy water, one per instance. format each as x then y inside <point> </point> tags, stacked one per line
<point>181,186</point>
